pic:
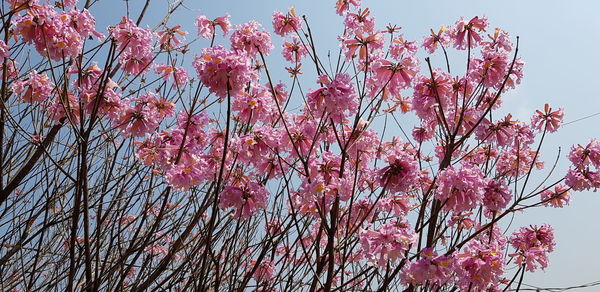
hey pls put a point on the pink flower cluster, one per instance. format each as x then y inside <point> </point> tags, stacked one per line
<point>430,269</point>
<point>254,106</point>
<point>206,27</point>
<point>557,198</point>
<point>145,115</point>
<point>177,152</point>
<point>547,120</point>
<point>247,199</point>
<point>394,77</point>
<point>223,71</point>
<point>533,245</point>
<point>135,45</point>
<point>36,88</point>
<point>468,33</point>
<point>285,24</point>
<point>258,148</point>
<point>401,174</point>
<point>401,48</point>
<point>293,50</point>
<point>335,100</point>
<point>496,195</point>
<point>435,40</point>
<point>179,74</point>
<point>341,6</point>
<point>4,51</point>
<point>387,243</point>
<point>88,84</point>
<point>335,161</point>
<point>359,23</point>
<point>585,173</point>
<point>171,37</point>
<point>480,265</point>
<point>56,35</point>
<point>250,39</point>
<point>460,189</point>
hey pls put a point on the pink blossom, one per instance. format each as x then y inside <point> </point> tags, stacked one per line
<point>136,45</point>
<point>481,155</point>
<point>365,45</point>
<point>281,92</point>
<point>171,38</point>
<point>581,157</point>
<point>496,195</point>
<point>359,23</point>
<point>547,120</point>
<point>254,106</point>
<point>134,63</point>
<point>402,48</point>
<point>501,132</point>
<point>479,266</point>
<point>22,4</point>
<point>250,39</point>
<point>4,51</point>
<point>83,22</point>
<point>206,28</point>
<point>264,270</point>
<point>154,151</point>
<point>219,69</point>
<point>144,116</point>
<point>517,161</point>
<point>110,103</point>
<point>500,40</point>
<point>342,6</point>
<point>431,42</point>
<point>37,87</point>
<point>582,179</point>
<point>294,50</point>
<point>12,71</point>
<point>246,199</point>
<point>401,174</point>
<point>424,132</point>
<point>396,204</point>
<point>284,24</point>
<point>395,76</point>
<point>180,75</point>
<point>336,97</point>
<point>387,243</point>
<point>430,269</point>
<point>467,33</point>
<point>430,95</point>
<point>128,35</point>
<point>557,198</point>
<point>516,74</point>
<point>310,197</point>
<point>183,177</point>
<point>533,245</point>
<point>523,135</point>
<point>362,211</point>
<point>461,189</point>
<point>491,69</point>
<point>61,107</point>
<point>258,147</point>
<point>56,35</point>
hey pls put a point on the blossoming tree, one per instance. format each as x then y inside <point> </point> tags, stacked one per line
<point>133,160</point>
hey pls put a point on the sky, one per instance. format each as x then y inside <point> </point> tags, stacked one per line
<point>559,41</point>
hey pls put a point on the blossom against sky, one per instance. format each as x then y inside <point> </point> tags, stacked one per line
<point>558,42</point>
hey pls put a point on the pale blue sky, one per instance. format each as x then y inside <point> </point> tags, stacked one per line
<point>559,43</point>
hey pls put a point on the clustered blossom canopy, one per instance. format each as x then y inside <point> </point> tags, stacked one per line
<point>135,159</point>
